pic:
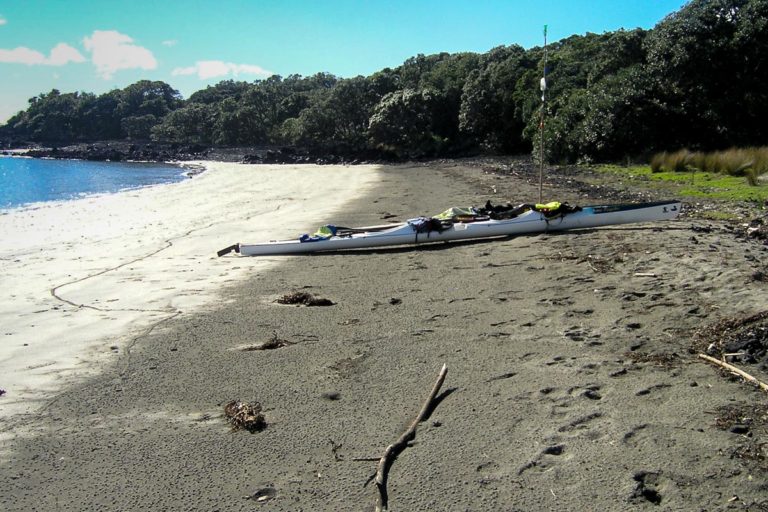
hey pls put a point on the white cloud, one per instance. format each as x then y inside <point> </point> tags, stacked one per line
<point>170,42</point>
<point>22,55</point>
<point>214,68</point>
<point>3,21</point>
<point>112,51</point>
<point>61,54</point>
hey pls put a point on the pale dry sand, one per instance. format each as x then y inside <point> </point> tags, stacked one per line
<point>570,385</point>
<point>83,278</point>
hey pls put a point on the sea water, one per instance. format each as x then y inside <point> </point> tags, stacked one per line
<point>31,180</point>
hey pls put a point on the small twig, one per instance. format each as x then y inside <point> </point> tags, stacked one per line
<point>737,371</point>
<point>335,450</point>
<point>644,274</point>
<point>398,446</point>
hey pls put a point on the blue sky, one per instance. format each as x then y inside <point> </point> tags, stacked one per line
<point>98,45</point>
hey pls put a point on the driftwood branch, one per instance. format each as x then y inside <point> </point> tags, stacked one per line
<point>398,446</point>
<point>737,371</point>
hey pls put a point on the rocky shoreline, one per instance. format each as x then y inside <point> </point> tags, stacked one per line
<point>126,151</point>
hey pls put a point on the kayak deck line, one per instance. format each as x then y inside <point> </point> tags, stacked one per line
<point>456,224</point>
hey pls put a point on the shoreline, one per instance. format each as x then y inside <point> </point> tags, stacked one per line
<point>181,170</point>
<point>108,266</point>
<point>570,384</point>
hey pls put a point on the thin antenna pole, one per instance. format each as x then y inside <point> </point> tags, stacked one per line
<point>541,120</point>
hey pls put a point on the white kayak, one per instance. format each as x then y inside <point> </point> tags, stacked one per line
<point>430,230</point>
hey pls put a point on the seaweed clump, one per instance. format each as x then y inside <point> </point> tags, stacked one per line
<point>245,416</point>
<point>304,299</point>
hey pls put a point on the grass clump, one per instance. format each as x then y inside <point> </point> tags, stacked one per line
<point>704,185</point>
<point>749,163</point>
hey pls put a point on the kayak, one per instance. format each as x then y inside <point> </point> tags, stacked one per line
<point>465,224</point>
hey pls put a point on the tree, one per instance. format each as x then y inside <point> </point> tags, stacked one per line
<point>339,122</point>
<point>148,97</point>
<point>52,117</point>
<point>138,127</point>
<point>489,109</point>
<point>99,116</point>
<point>403,123</point>
<point>695,80</point>
<point>711,55</point>
<point>193,123</point>
<point>217,93</point>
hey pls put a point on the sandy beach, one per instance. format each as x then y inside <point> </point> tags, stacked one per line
<point>84,278</point>
<point>572,384</point>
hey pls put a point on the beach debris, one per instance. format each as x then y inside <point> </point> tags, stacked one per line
<point>245,416</point>
<point>749,421</point>
<point>2,392</point>
<point>737,371</point>
<point>304,299</point>
<point>262,495</point>
<point>335,447</point>
<point>394,449</point>
<point>331,396</point>
<point>271,344</point>
<point>758,229</point>
<point>741,414</point>
<point>736,339</point>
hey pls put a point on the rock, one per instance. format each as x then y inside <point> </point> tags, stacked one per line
<point>739,429</point>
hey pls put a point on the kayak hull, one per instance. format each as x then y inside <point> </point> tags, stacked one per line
<point>529,222</point>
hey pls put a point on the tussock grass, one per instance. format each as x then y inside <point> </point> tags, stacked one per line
<point>750,163</point>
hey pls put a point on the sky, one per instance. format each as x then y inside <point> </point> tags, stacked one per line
<point>99,45</point>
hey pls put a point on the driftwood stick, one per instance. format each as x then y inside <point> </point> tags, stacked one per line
<point>398,446</point>
<point>737,371</point>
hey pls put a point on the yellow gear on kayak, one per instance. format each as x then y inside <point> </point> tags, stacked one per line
<point>455,211</point>
<point>551,206</point>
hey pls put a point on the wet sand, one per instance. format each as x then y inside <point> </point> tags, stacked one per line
<point>570,382</point>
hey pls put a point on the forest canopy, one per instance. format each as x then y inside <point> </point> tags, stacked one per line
<point>696,80</point>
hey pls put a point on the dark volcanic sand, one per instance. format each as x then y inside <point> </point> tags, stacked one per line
<point>571,383</point>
